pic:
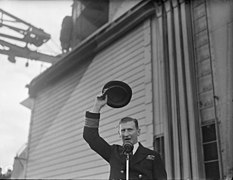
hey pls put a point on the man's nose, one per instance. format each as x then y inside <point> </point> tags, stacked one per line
<point>126,133</point>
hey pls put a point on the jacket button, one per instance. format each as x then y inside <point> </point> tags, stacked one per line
<point>140,176</point>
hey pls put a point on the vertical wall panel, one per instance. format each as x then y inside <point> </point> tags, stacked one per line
<point>161,98</point>
<point>184,128</point>
<point>177,79</point>
<point>192,120</point>
<point>173,92</point>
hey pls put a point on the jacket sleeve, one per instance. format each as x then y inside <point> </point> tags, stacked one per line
<point>92,137</point>
<point>159,172</point>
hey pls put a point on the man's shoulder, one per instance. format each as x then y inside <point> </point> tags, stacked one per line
<point>149,151</point>
<point>116,146</point>
<point>116,149</point>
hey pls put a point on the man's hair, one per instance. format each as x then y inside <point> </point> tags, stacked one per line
<point>128,119</point>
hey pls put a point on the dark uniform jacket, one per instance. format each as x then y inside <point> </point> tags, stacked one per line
<point>144,164</point>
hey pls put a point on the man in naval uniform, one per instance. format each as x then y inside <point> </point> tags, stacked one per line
<point>144,163</point>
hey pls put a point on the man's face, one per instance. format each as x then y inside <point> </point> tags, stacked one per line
<point>128,132</point>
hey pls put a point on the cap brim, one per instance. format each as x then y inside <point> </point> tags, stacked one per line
<point>119,93</point>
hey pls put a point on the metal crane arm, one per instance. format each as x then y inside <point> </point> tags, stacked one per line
<point>16,51</point>
<point>31,34</point>
<point>26,33</point>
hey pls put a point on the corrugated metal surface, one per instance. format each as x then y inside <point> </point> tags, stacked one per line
<point>56,146</point>
<point>175,87</point>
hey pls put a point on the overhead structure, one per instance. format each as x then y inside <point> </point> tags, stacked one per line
<point>14,31</point>
<point>87,17</point>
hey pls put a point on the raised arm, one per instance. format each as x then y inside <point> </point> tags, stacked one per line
<point>91,129</point>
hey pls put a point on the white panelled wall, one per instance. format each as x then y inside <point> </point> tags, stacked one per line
<point>57,149</point>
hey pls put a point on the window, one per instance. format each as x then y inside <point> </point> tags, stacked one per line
<point>210,149</point>
<point>159,146</point>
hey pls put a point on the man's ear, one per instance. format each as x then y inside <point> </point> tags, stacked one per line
<point>119,133</point>
<point>139,132</point>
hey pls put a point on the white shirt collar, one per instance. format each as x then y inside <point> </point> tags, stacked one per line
<point>135,147</point>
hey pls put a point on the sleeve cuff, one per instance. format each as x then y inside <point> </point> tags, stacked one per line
<point>92,119</point>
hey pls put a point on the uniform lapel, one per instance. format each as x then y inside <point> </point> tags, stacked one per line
<point>122,157</point>
<point>140,154</point>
